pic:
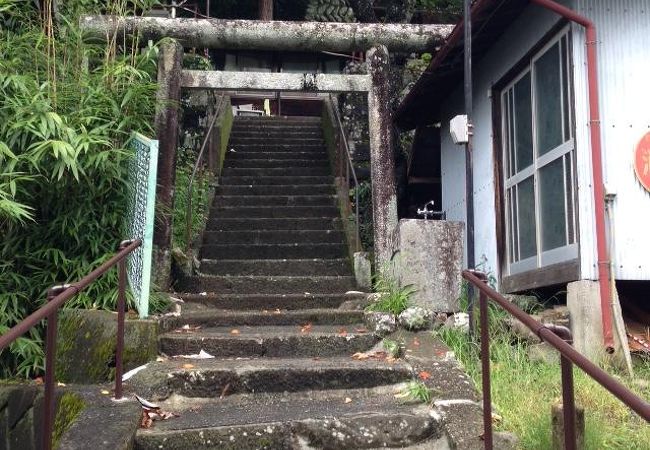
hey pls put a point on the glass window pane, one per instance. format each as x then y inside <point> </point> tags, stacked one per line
<point>548,100</point>
<point>523,121</point>
<point>552,207</point>
<point>526,218</point>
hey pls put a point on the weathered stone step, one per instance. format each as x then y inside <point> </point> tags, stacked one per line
<point>277,119</point>
<point>275,171</point>
<point>269,341</point>
<point>283,140</point>
<point>204,316</point>
<point>315,132</point>
<point>272,301</point>
<point>273,211</point>
<point>261,155</point>
<point>274,251</point>
<point>282,223</point>
<point>209,378</point>
<point>276,267</point>
<point>275,163</point>
<point>275,180</point>
<point>273,237</point>
<point>315,189</point>
<point>254,284</point>
<point>302,420</point>
<point>275,200</point>
<point>278,148</point>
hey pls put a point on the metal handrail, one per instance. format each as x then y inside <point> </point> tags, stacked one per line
<point>190,187</point>
<point>560,339</point>
<point>56,297</point>
<point>349,168</point>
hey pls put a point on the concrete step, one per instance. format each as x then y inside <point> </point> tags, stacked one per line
<point>289,189</point>
<point>314,132</point>
<point>275,171</point>
<point>283,140</point>
<point>284,120</point>
<point>275,163</point>
<point>209,378</point>
<point>283,223</point>
<point>275,200</point>
<point>265,147</point>
<point>246,212</point>
<point>276,267</point>
<point>273,302</point>
<point>261,155</point>
<point>331,420</point>
<point>273,237</point>
<point>274,251</point>
<point>269,341</point>
<point>204,316</point>
<point>258,284</point>
<point>275,180</point>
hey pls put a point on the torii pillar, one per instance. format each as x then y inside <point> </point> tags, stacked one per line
<point>382,159</point>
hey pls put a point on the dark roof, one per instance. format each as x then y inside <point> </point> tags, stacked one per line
<point>490,18</point>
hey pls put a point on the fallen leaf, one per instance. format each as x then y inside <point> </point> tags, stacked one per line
<point>361,330</point>
<point>424,375</point>
<point>145,420</point>
<point>343,332</point>
<point>277,311</point>
<point>200,355</point>
<point>416,342</point>
<point>224,391</point>
<point>38,380</point>
<point>306,328</point>
<point>105,392</point>
<point>234,331</point>
<point>360,356</point>
<point>188,366</point>
<point>348,400</point>
<point>161,359</point>
<point>187,329</point>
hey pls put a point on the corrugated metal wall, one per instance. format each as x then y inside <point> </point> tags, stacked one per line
<point>624,72</point>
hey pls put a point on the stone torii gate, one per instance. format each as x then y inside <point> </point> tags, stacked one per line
<point>376,39</point>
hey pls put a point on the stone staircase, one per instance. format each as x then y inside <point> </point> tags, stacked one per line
<point>274,303</point>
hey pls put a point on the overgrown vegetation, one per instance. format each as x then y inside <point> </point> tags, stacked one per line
<point>416,391</point>
<point>67,112</point>
<point>523,391</point>
<point>391,297</point>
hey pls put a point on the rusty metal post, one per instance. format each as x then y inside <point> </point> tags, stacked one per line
<point>485,371</point>
<point>382,159</point>
<point>121,306</point>
<point>568,397</point>
<point>166,123</point>
<point>49,403</point>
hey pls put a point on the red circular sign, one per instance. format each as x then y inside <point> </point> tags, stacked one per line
<point>642,161</point>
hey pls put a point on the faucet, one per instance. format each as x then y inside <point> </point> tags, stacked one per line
<point>427,212</point>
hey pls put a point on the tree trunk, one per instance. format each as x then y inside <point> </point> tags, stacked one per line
<point>266,9</point>
<point>276,35</point>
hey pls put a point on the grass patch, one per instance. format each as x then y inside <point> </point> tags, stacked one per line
<point>523,391</point>
<point>416,391</point>
<point>392,297</point>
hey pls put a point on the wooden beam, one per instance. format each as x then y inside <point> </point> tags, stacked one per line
<point>264,81</point>
<point>270,35</point>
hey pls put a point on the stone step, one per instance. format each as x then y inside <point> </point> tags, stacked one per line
<point>296,223</point>
<point>246,212</point>
<point>273,237</point>
<point>273,301</point>
<point>200,315</point>
<point>274,251</point>
<point>300,120</point>
<point>288,189</point>
<point>208,378</point>
<point>276,267</point>
<point>278,148</point>
<point>275,200</point>
<point>275,171</point>
<point>315,132</point>
<point>283,140</point>
<point>275,163</point>
<point>261,155</point>
<point>340,419</point>
<point>275,180</point>
<point>268,341</point>
<point>259,284</point>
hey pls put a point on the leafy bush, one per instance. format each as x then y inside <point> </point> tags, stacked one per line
<point>68,109</point>
<point>392,298</point>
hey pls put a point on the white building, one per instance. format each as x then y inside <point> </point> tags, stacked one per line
<point>533,174</point>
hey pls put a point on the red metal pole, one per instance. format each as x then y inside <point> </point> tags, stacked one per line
<point>121,304</point>
<point>485,371</point>
<point>604,268</point>
<point>568,397</point>
<point>50,360</point>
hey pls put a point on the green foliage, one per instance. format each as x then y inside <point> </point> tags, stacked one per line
<point>365,213</point>
<point>392,297</point>
<point>417,391</point>
<point>329,11</point>
<point>68,108</point>
<point>392,347</point>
